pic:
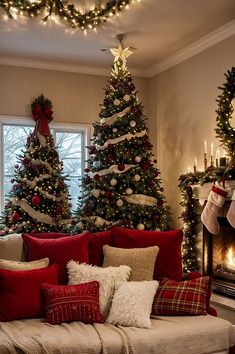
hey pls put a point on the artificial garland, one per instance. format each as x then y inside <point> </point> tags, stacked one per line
<point>66,11</point>
<point>225,131</point>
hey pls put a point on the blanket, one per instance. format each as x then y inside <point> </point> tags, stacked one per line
<point>168,335</point>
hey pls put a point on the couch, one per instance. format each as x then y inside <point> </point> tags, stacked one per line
<point>184,334</point>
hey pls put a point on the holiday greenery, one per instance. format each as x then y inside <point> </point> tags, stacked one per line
<point>122,184</point>
<point>225,131</point>
<point>39,199</point>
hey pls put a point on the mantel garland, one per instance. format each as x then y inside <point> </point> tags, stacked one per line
<point>66,11</point>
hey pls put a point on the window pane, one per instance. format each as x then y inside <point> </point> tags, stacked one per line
<point>75,191</point>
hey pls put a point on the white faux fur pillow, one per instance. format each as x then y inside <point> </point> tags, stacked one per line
<point>107,277</point>
<point>132,304</point>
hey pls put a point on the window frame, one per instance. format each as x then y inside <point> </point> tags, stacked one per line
<point>84,129</point>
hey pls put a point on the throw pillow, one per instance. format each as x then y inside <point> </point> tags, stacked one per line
<point>132,304</point>
<point>187,297</point>
<point>20,292</point>
<point>16,265</point>
<point>47,235</point>
<point>67,303</point>
<point>11,247</point>
<point>107,277</point>
<point>140,260</point>
<point>169,260</point>
<point>95,247</point>
<point>59,251</point>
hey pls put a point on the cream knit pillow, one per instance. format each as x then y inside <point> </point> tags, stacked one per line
<point>17,265</point>
<point>132,304</point>
<point>140,260</point>
<point>107,278</point>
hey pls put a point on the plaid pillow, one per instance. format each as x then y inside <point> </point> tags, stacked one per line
<point>181,298</point>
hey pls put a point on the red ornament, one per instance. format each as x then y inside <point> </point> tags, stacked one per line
<point>155,161</point>
<point>160,202</point>
<point>58,210</point>
<point>35,200</point>
<point>25,161</point>
<point>87,170</point>
<point>96,177</point>
<point>121,167</point>
<point>15,216</point>
<point>110,147</point>
<point>162,189</point>
<point>108,194</point>
<point>110,157</point>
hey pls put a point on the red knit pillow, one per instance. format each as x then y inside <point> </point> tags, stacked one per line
<point>60,251</point>
<point>181,298</point>
<point>66,303</point>
<point>20,292</point>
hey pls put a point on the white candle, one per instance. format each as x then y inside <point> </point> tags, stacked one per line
<point>195,162</point>
<point>205,145</point>
<point>217,155</point>
<point>212,149</point>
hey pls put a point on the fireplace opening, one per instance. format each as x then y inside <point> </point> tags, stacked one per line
<point>219,258</point>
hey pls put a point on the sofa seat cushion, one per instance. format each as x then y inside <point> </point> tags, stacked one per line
<point>169,260</point>
<point>168,335</point>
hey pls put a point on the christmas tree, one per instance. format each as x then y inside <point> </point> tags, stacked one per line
<point>121,185</point>
<point>39,199</point>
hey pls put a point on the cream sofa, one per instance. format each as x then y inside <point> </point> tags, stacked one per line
<point>168,335</point>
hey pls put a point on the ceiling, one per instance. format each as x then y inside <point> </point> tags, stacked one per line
<point>157,28</point>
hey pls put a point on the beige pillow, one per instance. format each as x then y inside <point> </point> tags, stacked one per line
<point>140,260</point>
<point>11,247</point>
<point>17,265</point>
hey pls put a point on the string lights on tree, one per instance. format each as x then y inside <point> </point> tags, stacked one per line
<point>66,11</point>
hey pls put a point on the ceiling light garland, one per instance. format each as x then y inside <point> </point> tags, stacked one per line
<point>66,11</point>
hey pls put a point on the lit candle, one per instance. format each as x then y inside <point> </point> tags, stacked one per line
<point>205,145</point>
<point>195,165</point>
<point>212,149</point>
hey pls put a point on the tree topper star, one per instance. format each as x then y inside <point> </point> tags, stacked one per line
<point>121,53</point>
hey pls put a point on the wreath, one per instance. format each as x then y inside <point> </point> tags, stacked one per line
<point>225,131</point>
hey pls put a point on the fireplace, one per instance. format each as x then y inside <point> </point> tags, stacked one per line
<point>219,258</point>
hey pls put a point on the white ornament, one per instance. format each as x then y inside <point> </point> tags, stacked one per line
<point>119,202</point>
<point>132,123</point>
<point>137,159</point>
<point>129,191</point>
<point>95,192</point>
<point>126,98</point>
<point>114,130</point>
<point>116,102</point>
<point>113,182</point>
<point>140,227</point>
<point>137,178</point>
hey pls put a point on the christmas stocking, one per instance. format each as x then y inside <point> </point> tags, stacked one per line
<point>231,211</point>
<point>214,203</point>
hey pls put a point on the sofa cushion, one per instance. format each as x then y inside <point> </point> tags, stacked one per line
<point>47,235</point>
<point>169,260</point>
<point>95,247</point>
<point>140,260</point>
<point>20,292</point>
<point>186,297</point>
<point>11,247</point>
<point>132,304</point>
<point>66,303</point>
<point>107,277</point>
<point>60,251</point>
<point>17,265</point>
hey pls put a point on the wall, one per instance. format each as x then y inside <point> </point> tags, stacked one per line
<point>181,110</point>
<point>75,97</point>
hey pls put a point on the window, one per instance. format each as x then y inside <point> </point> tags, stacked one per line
<point>70,141</point>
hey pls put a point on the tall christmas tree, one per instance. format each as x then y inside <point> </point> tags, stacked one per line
<point>121,185</point>
<point>39,199</point>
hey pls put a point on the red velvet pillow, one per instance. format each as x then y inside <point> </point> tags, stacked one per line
<point>95,248</point>
<point>20,292</point>
<point>66,303</point>
<point>169,260</point>
<point>186,297</point>
<point>60,251</point>
<point>46,235</point>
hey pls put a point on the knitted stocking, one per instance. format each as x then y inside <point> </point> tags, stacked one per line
<point>231,211</point>
<point>214,203</point>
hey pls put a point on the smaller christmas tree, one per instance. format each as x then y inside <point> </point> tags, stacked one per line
<point>39,199</point>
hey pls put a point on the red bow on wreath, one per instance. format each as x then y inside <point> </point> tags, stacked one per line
<point>42,117</point>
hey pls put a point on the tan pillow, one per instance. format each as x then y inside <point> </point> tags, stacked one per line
<point>11,247</point>
<point>17,265</point>
<point>140,260</point>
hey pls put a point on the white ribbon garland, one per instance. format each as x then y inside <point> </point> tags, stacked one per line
<point>40,162</point>
<point>42,139</point>
<point>51,196</point>
<point>100,221</point>
<point>111,120</point>
<point>46,219</point>
<point>128,136</point>
<point>111,169</point>
<point>140,199</point>
<point>33,183</point>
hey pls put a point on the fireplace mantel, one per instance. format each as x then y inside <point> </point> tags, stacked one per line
<point>201,192</point>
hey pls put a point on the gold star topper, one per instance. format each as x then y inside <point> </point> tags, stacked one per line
<point>121,53</point>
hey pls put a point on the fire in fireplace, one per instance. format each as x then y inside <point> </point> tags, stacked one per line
<point>219,258</point>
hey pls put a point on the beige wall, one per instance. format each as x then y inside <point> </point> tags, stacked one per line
<point>75,97</point>
<point>181,110</point>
